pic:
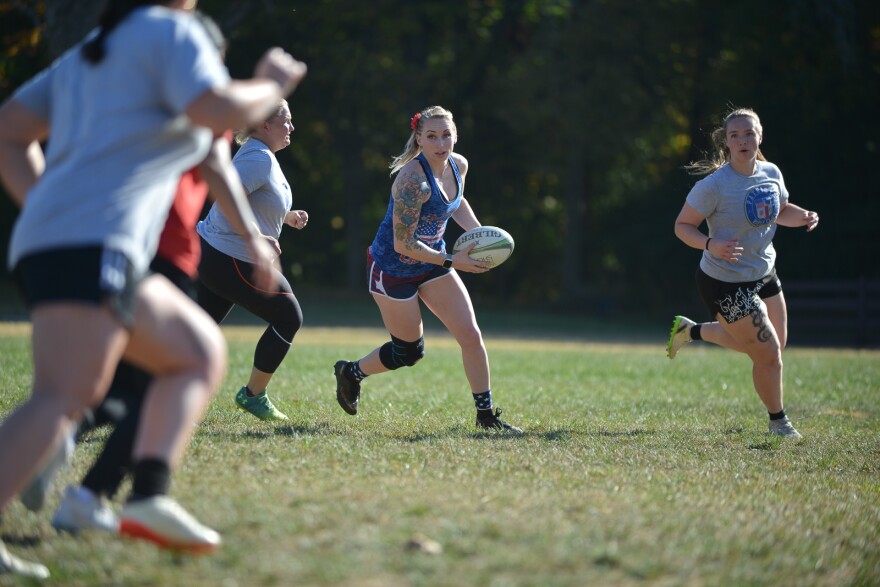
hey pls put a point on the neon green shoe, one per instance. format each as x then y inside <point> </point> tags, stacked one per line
<point>259,405</point>
<point>679,336</point>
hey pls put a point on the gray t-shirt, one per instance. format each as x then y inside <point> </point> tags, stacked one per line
<point>741,208</point>
<point>119,138</point>
<point>268,194</point>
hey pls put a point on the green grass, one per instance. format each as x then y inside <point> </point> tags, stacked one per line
<point>635,470</point>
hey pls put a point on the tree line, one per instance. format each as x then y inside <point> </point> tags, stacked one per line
<point>576,116</point>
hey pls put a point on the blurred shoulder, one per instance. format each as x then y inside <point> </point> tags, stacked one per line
<point>461,161</point>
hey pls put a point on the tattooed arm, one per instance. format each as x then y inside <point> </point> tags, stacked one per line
<point>409,192</point>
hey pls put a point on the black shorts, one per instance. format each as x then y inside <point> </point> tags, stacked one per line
<point>91,274</point>
<point>735,301</point>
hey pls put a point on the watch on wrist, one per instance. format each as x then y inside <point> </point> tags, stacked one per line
<point>448,262</point>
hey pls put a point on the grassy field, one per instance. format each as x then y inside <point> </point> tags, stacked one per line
<point>635,470</point>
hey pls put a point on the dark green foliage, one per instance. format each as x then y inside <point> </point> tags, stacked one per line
<point>577,117</point>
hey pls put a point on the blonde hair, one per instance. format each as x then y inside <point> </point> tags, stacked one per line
<point>242,136</point>
<point>721,154</point>
<point>411,150</point>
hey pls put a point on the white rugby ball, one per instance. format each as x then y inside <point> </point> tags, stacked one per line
<point>493,245</point>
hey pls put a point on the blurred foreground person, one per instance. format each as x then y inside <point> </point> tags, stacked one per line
<point>127,111</point>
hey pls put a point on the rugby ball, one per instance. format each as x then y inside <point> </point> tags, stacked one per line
<point>493,245</point>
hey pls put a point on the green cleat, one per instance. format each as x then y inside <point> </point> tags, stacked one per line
<point>259,405</point>
<point>679,336</point>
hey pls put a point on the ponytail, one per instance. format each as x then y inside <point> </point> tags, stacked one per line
<point>115,11</point>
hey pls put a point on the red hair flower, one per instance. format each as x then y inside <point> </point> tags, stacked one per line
<point>414,121</point>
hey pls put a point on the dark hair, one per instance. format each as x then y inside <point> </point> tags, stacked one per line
<point>213,30</point>
<point>115,11</point>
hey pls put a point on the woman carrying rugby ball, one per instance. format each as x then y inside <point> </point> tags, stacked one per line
<point>408,260</point>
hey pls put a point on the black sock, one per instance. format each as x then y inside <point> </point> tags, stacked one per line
<point>353,371</point>
<point>111,466</point>
<point>483,401</point>
<point>695,332</point>
<point>778,415</point>
<point>151,477</point>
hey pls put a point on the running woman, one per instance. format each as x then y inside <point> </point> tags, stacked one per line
<point>226,271</point>
<point>407,261</point>
<point>742,200</point>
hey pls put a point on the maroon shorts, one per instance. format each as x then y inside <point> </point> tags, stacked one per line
<point>399,288</point>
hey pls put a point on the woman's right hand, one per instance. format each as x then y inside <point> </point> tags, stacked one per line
<point>727,250</point>
<point>281,67</point>
<point>461,261</point>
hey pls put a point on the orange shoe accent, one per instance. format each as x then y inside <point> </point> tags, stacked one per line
<point>133,529</point>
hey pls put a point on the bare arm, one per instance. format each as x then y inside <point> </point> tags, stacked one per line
<point>244,103</point>
<point>465,216</point>
<point>688,231</point>
<point>795,216</point>
<point>21,159</point>
<point>226,189</point>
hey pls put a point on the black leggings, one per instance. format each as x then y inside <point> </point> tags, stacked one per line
<point>225,281</point>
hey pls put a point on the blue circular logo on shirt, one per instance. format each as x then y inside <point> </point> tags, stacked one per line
<point>762,204</point>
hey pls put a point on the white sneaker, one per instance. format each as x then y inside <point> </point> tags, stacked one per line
<point>679,336</point>
<point>163,521</point>
<point>34,495</point>
<point>80,509</point>
<point>12,565</point>
<point>784,428</point>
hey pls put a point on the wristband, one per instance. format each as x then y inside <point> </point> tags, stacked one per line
<point>707,242</point>
<point>447,263</point>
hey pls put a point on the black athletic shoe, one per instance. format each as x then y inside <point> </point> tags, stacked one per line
<point>348,391</point>
<point>490,421</point>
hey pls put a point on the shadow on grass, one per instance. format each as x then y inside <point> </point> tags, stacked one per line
<point>22,541</point>
<point>312,429</point>
<point>455,431</point>
<point>618,433</point>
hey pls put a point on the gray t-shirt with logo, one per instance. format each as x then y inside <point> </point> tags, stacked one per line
<point>119,137</point>
<point>742,208</point>
<point>268,194</point>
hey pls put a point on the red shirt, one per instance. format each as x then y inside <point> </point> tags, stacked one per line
<point>179,243</point>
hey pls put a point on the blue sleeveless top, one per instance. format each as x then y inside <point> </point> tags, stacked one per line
<point>434,215</point>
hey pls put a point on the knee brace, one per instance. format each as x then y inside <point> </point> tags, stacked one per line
<point>399,353</point>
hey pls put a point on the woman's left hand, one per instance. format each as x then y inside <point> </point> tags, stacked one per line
<point>297,219</point>
<point>812,220</point>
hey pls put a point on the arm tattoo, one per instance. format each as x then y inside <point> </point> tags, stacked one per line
<point>408,199</point>
<point>760,322</point>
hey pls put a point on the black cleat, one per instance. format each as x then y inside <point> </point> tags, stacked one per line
<point>348,391</point>
<point>486,420</point>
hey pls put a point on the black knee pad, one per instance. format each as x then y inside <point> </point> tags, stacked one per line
<point>399,353</point>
